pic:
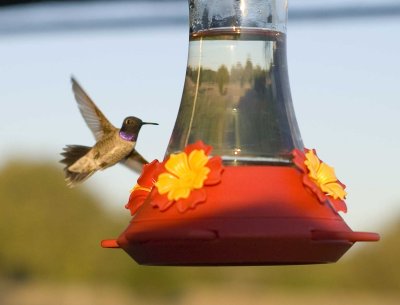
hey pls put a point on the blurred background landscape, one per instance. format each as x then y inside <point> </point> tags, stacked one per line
<point>131,56</point>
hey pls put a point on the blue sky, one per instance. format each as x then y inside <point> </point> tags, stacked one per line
<point>344,82</point>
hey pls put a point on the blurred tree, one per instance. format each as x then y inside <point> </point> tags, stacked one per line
<point>222,78</point>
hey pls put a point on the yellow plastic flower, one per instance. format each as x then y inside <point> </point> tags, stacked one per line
<point>184,174</point>
<point>324,176</point>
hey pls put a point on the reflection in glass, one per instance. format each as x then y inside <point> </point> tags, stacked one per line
<point>236,95</point>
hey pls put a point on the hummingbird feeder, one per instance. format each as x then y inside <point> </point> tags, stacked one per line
<point>237,186</point>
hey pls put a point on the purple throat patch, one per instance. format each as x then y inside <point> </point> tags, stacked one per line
<point>127,137</point>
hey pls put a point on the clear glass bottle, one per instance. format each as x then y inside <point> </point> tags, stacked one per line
<point>236,95</point>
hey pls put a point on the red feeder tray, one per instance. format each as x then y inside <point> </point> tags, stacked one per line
<point>257,215</point>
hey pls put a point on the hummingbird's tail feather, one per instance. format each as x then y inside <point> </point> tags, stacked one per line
<point>71,154</point>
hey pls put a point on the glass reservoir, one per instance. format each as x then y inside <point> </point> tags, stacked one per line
<point>236,96</point>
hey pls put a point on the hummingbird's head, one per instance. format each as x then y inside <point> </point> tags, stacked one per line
<point>131,126</point>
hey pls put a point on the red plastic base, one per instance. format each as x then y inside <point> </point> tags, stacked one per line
<point>257,215</point>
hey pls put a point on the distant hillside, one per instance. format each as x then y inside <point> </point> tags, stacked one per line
<point>51,233</point>
<point>48,230</point>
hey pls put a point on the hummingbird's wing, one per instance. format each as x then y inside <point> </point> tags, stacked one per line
<point>134,161</point>
<point>94,118</point>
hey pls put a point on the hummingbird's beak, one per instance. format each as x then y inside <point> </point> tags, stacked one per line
<point>149,123</point>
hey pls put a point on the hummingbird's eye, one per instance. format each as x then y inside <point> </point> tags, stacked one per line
<point>128,121</point>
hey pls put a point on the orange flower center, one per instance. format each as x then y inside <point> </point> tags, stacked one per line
<point>184,174</point>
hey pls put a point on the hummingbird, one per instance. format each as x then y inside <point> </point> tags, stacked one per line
<point>113,145</point>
